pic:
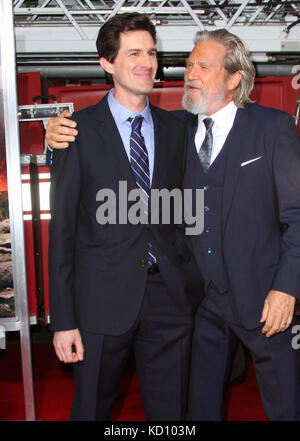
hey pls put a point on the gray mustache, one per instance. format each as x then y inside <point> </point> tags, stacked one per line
<point>191,84</point>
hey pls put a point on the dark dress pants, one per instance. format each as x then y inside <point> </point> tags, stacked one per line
<point>161,340</point>
<point>275,361</point>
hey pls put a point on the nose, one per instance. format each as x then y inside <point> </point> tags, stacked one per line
<point>146,61</point>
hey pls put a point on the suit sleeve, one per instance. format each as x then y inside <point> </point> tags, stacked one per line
<point>64,204</point>
<point>286,172</point>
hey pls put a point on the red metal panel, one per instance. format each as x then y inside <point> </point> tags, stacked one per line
<point>276,92</point>
<point>81,96</point>
<point>31,133</point>
<point>29,85</point>
<point>270,92</point>
<point>165,94</point>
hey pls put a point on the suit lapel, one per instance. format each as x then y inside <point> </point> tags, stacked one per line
<point>160,148</point>
<point>112,141</point>
<point>193,161</point>
<point>239,145</point>
<point>192,124</point>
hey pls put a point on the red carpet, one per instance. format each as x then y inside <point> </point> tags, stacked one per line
<point>53,387</point>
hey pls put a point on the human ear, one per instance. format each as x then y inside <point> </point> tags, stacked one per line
<point>106,65</point>
<point>234,80</point>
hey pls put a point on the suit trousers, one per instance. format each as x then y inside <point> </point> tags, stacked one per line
<point>161,340</point>
<point>275,361</point>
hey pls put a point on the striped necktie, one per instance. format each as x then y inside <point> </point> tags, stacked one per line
<point>206,147</point>
<point>139,162</point>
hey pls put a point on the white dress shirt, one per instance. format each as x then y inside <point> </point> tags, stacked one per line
<point>223,121</point>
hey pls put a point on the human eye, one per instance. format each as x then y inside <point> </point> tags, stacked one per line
<point>203,66</point>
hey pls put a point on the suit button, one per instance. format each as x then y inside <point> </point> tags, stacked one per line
<point>143,263</point>
<point>209,251</point>
<point>205,188</point>
<point>207,230</point>
<point>206,209</point>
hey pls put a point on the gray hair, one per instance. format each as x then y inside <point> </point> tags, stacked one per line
<point>237,58</point>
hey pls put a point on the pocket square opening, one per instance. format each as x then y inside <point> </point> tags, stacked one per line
<point>250,160</point>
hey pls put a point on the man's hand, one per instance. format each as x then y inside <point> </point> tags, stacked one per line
<point>63,341</point>
<point>60,131</point>
<point>278,312</point>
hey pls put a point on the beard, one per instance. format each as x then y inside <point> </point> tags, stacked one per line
<point>201,105</point>
<point>197,107</point>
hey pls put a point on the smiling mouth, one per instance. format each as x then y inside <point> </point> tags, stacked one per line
<point>193,88</point>
<point>190,87</point>
<point>144,73</point>
<point>145,76</point>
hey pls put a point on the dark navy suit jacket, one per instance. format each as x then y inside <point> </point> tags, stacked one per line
<point>98,273</point>
<point>260,207</point>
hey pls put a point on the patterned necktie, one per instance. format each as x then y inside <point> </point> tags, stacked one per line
<point>206,147</point>
<point>139,162</point>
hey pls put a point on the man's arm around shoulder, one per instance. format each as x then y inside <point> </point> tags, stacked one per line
<point>64,200</point>
<point>61,131</point>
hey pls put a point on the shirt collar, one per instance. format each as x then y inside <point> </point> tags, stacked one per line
<point>223,118</point>
<point>121,113</point>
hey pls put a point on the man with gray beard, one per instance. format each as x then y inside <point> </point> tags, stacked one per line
<point>247,159</point>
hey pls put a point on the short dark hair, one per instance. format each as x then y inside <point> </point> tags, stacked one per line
<point>108,40</point>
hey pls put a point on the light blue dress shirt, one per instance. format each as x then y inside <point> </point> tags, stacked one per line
<point>121,115</point>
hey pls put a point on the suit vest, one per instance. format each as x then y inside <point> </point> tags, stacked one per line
<point>209,243</point>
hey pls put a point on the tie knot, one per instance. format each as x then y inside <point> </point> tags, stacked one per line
<point>208,122</point>
<point>136,122</point>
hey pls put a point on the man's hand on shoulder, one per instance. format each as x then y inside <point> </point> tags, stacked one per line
<point>60,131</point>
<point>64,341</point>
<point>278,312</point>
